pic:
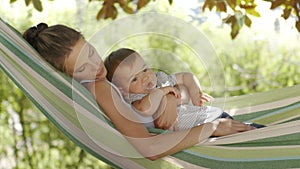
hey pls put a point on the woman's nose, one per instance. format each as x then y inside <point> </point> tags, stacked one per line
<point>95,59</point>
<point>94,62</point>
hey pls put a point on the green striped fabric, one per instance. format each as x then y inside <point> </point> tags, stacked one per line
<point>74,111</point>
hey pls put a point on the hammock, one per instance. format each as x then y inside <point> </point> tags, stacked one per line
<point>73,110</point>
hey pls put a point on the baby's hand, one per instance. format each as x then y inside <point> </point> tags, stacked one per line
<point>171,90</point>
<point>198,98</point>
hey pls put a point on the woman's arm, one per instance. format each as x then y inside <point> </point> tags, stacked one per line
<point>153,147</point>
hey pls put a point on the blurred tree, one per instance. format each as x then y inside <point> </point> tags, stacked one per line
<point>29,140</point>
<point>237,12</point>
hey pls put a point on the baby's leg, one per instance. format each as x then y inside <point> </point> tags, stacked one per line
<point>226,115</point>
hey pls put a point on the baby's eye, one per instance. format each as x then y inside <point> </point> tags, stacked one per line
<point>134,79</point>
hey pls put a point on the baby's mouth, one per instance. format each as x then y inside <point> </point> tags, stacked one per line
<point>150,86</point>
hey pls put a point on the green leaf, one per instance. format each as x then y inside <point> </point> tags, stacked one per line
<point>125,7</point>
<point>235,28</point>
<point>294,2</point>
<point>110,12</point>
<point>27,2</point>
<point>37,5</point>
<point>247,6</point>
<point>286,13</point>
<point>142,3</point>
<point>208,4</point>
<point>232,4</point>
<point>101,12</point>
<point>298,25</point>
<point>252,12</point>
<point>277,3</point>
<point>229,19</point>
<point>128,9</point>
<point>221,6</point>
<point>248,21</point>
<point>16,107</point>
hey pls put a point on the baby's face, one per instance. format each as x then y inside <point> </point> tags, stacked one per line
<point>135,78</point>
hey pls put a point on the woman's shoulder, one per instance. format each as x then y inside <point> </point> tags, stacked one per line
<point>103,86</point>
<point>100,85</point>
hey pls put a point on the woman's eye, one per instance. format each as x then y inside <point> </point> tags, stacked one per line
<point>91,53</point>
<point>81,69</point>
<point>145,70</point>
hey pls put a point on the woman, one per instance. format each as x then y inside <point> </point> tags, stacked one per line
<point>67,50</point>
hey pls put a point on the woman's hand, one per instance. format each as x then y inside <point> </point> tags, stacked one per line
<point>227,126</point>
<point>169,116</point>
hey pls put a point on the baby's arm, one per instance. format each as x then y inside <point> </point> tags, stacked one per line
<point>185,96</point>
<point>193,87</point>
<point>151,103</point>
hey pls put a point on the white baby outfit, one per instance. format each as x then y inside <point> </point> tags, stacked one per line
<point>188,115</point>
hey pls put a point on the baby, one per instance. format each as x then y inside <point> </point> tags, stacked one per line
<point>147,91</point>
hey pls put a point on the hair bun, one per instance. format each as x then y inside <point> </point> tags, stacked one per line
<point>31,34</point>
<point>34,31</point>
<point>40,27</point>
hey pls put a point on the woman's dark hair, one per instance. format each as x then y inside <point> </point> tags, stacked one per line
<point>53,43</point>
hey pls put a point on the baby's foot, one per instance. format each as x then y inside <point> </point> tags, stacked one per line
<point>256,125</point>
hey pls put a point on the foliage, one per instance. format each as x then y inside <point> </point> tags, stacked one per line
<point>254,64</point>
<point>243,8</point>
<point>238,12</point>
<point>31,141</point>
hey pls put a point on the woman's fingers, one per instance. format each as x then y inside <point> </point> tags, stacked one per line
<point>229,126</point>
<point>240,127</point>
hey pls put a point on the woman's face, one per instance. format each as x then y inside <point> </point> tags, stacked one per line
<point>84,63</point>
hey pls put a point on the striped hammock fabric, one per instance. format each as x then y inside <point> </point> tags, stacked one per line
<point>71,108</point>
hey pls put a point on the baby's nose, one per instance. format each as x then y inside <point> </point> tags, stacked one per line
<point>145,79</point>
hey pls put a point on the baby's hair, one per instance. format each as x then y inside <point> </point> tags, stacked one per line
<point>53,43</point>
<point>113,60</point>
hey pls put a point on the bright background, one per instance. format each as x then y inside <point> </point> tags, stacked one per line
<point>263,57</point>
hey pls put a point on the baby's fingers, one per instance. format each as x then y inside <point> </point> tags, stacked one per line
<point>205,97</point>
